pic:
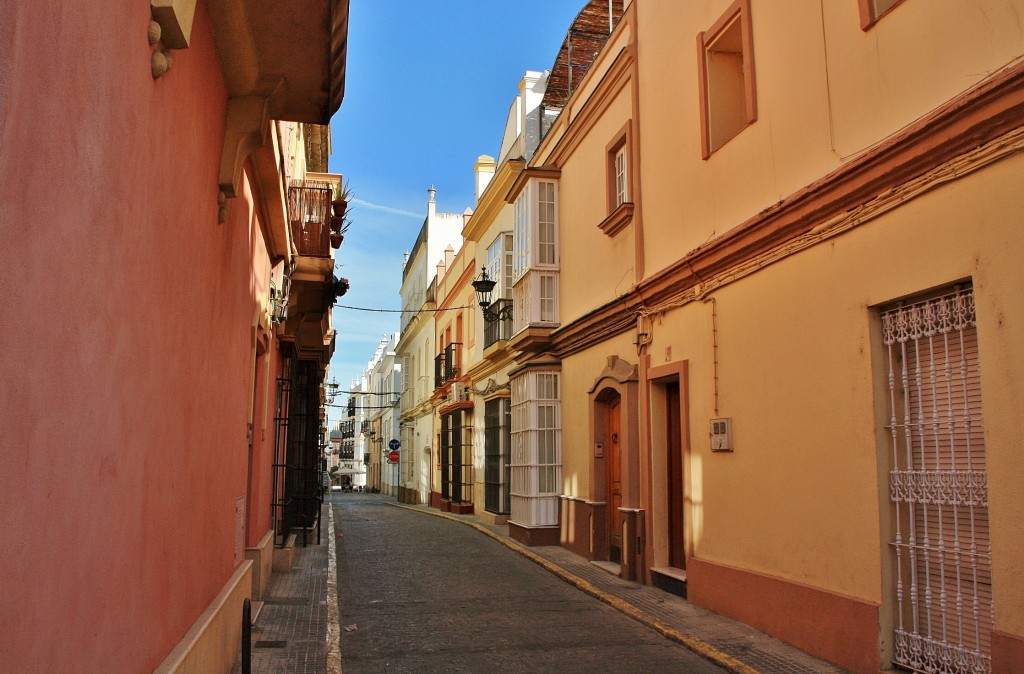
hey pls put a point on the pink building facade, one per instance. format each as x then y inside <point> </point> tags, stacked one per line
<point>148,333</point>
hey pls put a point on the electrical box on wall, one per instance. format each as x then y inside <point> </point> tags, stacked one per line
<point>721,435</point>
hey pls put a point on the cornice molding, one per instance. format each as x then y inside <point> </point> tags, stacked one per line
<point>619,74</point>
<point>541,172</point>
<point>488,208</point>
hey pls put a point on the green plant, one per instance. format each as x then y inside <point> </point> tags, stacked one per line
<point>340,222</point>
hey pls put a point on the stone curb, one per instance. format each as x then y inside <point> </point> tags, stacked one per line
<point>333,619</point>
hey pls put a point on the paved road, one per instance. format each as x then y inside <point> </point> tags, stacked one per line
<point>422,594</point>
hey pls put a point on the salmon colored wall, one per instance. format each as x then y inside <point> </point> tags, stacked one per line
<point>261,496</point>
<point>127,311</point>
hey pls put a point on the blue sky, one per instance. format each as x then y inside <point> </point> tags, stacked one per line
<point>428,90</point>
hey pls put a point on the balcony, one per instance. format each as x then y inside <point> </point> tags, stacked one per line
<point>446,365</point>
<point>501,329</point>
<point>309,212</point>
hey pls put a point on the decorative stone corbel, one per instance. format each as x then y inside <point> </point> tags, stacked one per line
<point>247,124</point>
<point>171,28</point>
<point>175,19</point>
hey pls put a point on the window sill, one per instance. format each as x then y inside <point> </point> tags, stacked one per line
<point>618,219</point>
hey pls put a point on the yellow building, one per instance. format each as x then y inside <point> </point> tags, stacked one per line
<point>767,317</point>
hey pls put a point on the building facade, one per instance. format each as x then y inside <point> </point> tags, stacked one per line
<point>437,241</point>
<point>790,391</point>
<point>158,316</point>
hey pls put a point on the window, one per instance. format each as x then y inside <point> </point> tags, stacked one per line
<point>499,265</point>
<point>546,234</point>
<point>535,255</point>
<point>536,449</point>
<point>942,566</point>
<point>521,235</point>
<point>535,233</point>
<point>872,10</point>
<point>727,93</point>
<point>456,457</point>
<point>497,441</point>
<point>621,194</point>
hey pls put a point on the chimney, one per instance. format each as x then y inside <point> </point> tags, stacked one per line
<point>431,204</point>
<point>484,169</point>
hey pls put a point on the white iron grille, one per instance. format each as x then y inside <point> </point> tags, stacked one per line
<point>938,484</point>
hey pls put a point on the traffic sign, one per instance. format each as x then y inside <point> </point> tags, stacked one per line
<point>394,444</point>
<point>393,456</point>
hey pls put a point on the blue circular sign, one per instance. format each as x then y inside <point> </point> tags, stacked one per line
<point>394,444</point>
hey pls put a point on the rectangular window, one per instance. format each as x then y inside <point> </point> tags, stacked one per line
<point>548,298</point>
<point>499,266</point>
<point>507,273</point>
<point>521,235</point>
<point>942,566</point>
<point>536,449</point>
<point>546,224</point>
<point>621,194</point>
<point>536,256</point>
<point>456,458</point>
<point>727,92</point>
<point>497,443</point>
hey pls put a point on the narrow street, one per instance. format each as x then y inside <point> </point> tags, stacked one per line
<point>425,594</point>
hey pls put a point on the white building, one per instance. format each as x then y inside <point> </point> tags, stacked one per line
<point>438,240</point>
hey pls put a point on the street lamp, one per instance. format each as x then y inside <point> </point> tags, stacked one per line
<point>484,286</point>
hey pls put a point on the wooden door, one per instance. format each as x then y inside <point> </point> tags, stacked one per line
<point>614,477</point>
<point>674,447</point>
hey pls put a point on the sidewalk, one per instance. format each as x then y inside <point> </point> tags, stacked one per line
<point>300,609</point>
<point>297,630</point>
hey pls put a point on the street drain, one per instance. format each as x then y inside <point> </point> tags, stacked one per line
<point>270,644</point>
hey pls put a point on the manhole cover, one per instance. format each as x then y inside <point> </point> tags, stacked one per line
<point>270,644</point>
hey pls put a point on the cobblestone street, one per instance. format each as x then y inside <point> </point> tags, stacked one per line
<point>424,594</point>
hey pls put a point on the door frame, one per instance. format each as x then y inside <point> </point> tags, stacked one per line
<point>656,459</point>
<point>619,381</point>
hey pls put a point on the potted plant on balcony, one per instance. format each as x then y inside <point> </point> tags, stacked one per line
<point>340,221</point>
<point>341,199</point>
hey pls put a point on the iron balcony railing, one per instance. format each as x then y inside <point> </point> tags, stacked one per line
<point>446,365</point>
<point>309,212</point>
<point>501,329</point>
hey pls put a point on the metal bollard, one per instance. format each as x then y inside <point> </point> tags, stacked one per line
<point>246,636</point>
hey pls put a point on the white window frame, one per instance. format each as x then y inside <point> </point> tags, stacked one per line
<point>620,164</point>
<point>536,255</point>
<point>536,448</point>
<point>499,265</point>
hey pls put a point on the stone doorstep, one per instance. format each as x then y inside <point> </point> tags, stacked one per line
<point>613,568</point>
<point>670,579</point>
<point>285,555</point>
